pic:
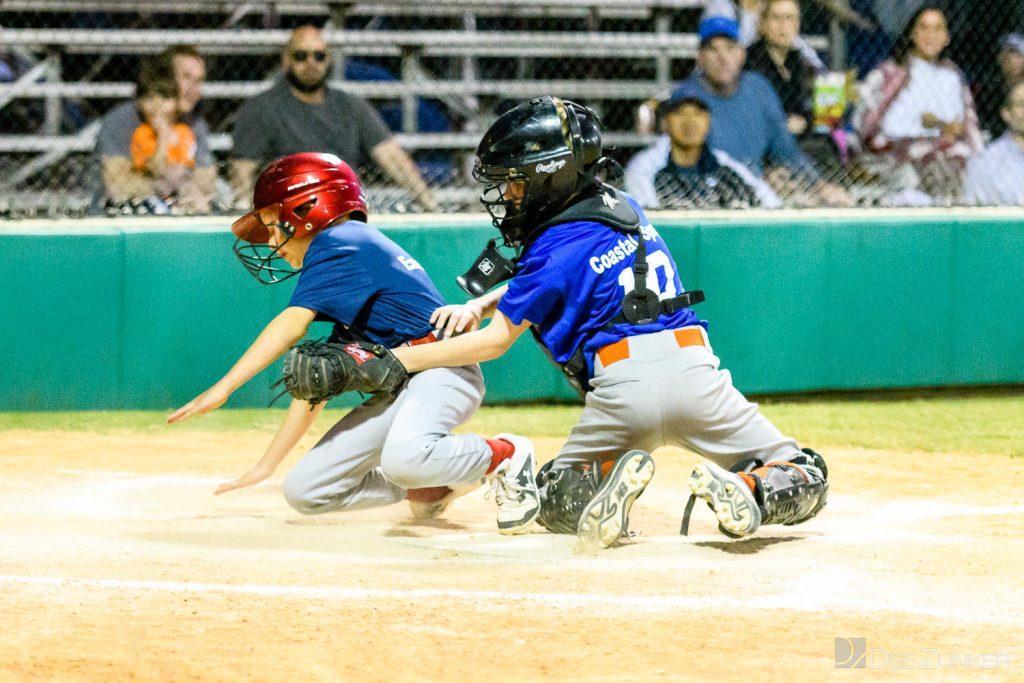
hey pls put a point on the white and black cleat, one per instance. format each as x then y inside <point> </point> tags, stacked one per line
<point>606,517</point>
<point>729,497</point>
<point>515,488</point>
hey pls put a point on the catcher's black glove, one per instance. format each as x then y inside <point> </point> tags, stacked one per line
<point>317,371</point>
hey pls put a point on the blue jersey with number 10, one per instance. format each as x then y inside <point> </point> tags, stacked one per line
<point>572,279</point>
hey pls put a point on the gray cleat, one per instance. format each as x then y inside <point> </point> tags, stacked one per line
<point>606,517</point>
<point>729,496</point>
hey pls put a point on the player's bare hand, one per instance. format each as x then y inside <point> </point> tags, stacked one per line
<point>210,399</point>
<point>257,474</point>
<point>457,318</point>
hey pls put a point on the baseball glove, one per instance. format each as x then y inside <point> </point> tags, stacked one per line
<point>318,371</point>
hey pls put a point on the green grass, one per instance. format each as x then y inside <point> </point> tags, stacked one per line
<point>986,422</point>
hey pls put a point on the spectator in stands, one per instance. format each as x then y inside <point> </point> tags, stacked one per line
<point>776,56</point>
<point>749,123</point>
<point>696,176</point>
<point>150,150</point>
<point>747,14</point>
<point>996,175</point>
<point>990,91</point>
<point>1011,58</point>
<point>917,111</point>
<point>190,74</point>
<point>302,113</point>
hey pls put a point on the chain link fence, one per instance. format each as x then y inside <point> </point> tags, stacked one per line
<point>854,102</point>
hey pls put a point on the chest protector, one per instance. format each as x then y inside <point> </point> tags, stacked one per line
<point>639,307</point>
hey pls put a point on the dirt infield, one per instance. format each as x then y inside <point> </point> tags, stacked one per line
<point>118,564</point>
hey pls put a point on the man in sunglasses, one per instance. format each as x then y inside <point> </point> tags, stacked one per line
<point>302,113</point>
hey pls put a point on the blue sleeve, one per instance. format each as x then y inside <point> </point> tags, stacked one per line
<point>334,285</point>
<point>533,293</point>
<point>782,147</point>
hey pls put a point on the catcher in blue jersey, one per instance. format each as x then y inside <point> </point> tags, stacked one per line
<point>309,220</point>
<point>599,290</point>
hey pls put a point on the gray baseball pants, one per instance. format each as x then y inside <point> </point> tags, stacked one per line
<point>379,450</point>
<point>664,394</point>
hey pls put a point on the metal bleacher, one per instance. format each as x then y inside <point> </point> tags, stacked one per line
<point>355,30</point>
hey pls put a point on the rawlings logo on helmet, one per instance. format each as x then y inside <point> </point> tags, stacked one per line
<point>551,166</point>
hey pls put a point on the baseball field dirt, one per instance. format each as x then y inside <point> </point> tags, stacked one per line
<point>119,564</point>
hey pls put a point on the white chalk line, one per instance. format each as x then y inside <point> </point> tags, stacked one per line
<point>808,602</point>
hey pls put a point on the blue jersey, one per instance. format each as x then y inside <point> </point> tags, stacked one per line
<point>354,276</point>
<point>572,279</point>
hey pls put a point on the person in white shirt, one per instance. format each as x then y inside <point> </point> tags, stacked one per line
<point>996,176</point>
<point>917,110</point>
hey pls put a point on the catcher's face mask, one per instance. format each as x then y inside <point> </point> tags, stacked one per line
<point>260,249</point>
<point>504,196</point>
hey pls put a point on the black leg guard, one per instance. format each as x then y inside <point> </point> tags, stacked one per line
<point>792,491</point>
<point>786,492</point>
<point>564,492</point>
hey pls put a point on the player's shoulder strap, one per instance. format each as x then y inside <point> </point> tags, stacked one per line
<point>642,305</point>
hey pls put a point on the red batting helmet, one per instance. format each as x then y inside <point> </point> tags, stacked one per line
<point>311,191</point>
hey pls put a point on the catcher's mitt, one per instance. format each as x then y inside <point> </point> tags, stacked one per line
<point>317,371</point>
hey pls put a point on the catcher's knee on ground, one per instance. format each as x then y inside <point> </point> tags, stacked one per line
<point>564,492</point>
<point>787,491</point>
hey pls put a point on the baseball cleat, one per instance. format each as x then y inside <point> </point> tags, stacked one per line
<point>729,497</point>
<point>515,489</point>
<point>429,509</point>
<point>606,516</point>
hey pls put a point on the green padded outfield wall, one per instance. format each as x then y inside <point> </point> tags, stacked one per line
<point>146,313</point>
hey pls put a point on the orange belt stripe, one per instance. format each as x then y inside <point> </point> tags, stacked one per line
<point>613,353</point>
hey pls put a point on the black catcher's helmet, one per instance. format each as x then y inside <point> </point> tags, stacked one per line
<point>549,146</point>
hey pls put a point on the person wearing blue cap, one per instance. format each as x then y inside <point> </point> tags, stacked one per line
<point>749,123</point>
<point>696,176</point>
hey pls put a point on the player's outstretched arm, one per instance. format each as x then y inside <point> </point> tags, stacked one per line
<point>297,422</point>
<point>458,318</point>
<point>481,345</point>
<point>278,336</point>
